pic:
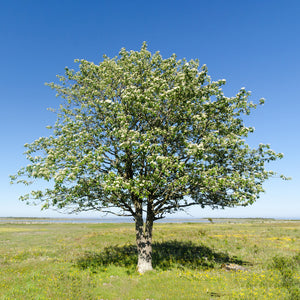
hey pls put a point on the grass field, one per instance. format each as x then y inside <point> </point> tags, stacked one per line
<point>97,261</point>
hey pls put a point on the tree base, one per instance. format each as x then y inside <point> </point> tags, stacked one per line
<point>144,266</point>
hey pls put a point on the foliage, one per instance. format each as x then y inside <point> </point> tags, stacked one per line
<point>139,131</point>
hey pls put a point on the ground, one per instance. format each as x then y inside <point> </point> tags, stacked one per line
<point>98,261</point>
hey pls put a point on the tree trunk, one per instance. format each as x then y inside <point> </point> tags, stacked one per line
<point>144,243</point>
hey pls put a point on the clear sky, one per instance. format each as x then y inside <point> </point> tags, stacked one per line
<point>252,44</point>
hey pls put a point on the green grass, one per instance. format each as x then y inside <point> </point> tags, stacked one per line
<point>98,261</point>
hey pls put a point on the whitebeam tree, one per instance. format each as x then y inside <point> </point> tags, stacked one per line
<point>143,136</point>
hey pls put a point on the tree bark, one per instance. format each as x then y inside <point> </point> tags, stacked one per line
<point>144,242</point>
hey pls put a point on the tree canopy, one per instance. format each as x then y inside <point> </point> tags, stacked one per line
<point>146,136</point>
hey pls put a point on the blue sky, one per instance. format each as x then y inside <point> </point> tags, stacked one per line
<point>252,44</point>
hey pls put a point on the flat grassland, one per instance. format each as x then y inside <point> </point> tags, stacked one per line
<point>191,261</point>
